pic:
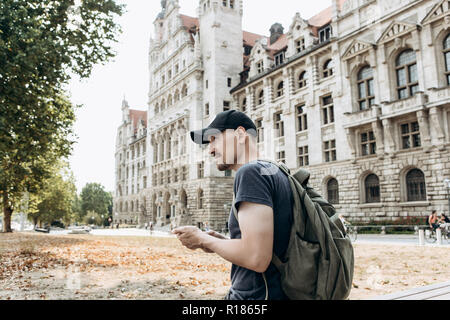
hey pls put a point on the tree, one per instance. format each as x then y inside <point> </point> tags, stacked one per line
<point>94,198</point>
<point>42,43</point>
<point>54,201</point>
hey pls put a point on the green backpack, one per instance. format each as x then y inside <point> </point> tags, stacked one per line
<point>319,260</point>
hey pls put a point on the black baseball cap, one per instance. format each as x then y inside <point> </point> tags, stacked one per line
<point>230,119</point>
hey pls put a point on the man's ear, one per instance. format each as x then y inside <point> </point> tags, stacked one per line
<point>241,135</point>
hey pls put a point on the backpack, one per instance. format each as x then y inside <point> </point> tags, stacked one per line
<point>319,260</point>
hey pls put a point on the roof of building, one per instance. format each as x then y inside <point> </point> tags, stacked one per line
<point>137,116</point>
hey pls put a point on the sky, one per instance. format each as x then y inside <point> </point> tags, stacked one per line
<point>126,75</point>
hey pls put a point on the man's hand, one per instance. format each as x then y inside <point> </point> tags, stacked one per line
<point>190,237</point>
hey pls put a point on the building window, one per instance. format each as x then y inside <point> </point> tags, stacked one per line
<point>229,82</point>
<point>259,131</point>
<point>302,118</point>
<point>260,66</point>
<point>184,91</point>
<point>447,58</point>
<point>281,156</point>
<point>303,80</point>
<point>366,95</point>
<point>410,135</point>
<point>280,89</point>
<point>372,188</point>
<point>161,178</point>
<point>231,4</point>
<point>224,2</point>
<point>279,125</point>
<point>327,110</point>
<point>329,148</point>
<point>368,143</point>
<point>175,175</point>
<point>184,173</point>
<point>303,156</point>
<point>244,105</point>
<point>328,68</point>
<point>206,84</point>
<point>261,97</point>
<point>279,58</point>
<point>407,78</point>
<point>333,191</point>
<point>415,185</point>
<point>201,170</point>
<point>227,173</point>
<point>154,179</point>
<point>300,45</point>
<point>207,109</point>
<point>226,105</point>
<point>325,33</point>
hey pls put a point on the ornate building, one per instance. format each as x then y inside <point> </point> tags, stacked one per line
<point>358,94</point>
<point>131,166</point>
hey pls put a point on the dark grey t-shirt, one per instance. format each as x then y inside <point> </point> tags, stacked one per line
<point>264,183</point>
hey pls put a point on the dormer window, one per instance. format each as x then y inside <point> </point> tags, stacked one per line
<point>279,58</point>
<point>260,66</point>
<point>325,33</point>
<point>300,45</point>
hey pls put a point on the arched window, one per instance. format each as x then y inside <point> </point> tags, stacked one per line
<point>372,188</point>
<point>169,101</point>
<point>177,96</point>
<point>406,70</point>
<point>333,191</point>
<point>415,185</point>
<point>280,89</point>
<point>366,95</point>
<point>132,206</point>
<point>328,68</point>
<point>447,58</point>
<point>303,80</point>
<point>184,91</point>
<point>261,97</point>
<point>244,105</point>
<point>163,105</point>
<point>157,108</point>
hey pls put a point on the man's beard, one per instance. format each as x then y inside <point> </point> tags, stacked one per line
<point>224,167</point>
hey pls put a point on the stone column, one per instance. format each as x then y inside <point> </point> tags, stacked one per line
<point>437,132</point>
<point>249,93</point>
<point>378,132</point>
<point>351,142</point>
<point>389,137</point>
<point>424,128</point>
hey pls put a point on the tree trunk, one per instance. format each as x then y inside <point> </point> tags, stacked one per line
<point>7,213</point>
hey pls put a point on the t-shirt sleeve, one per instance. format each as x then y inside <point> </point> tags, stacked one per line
<point>253,186</point>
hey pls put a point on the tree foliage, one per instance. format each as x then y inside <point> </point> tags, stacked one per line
<point>94,198</point>
<point>42,43</point>
<point>54,201</point>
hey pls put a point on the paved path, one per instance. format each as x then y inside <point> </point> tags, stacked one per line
<point>411,240</point>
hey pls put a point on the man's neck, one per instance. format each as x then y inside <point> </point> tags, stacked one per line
<point>253,155</point>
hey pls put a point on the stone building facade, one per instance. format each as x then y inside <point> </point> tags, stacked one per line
<point>131,166</point>
<point>358,95</point>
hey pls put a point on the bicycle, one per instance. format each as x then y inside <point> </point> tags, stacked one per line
<point>430,235</point>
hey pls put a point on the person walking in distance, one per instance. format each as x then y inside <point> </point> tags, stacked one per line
<point>263,201</point>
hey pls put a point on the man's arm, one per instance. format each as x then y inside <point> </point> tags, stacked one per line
<point>253,251</point>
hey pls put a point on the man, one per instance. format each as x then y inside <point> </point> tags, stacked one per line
<point>433,220</point>
<point>263,200</point>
